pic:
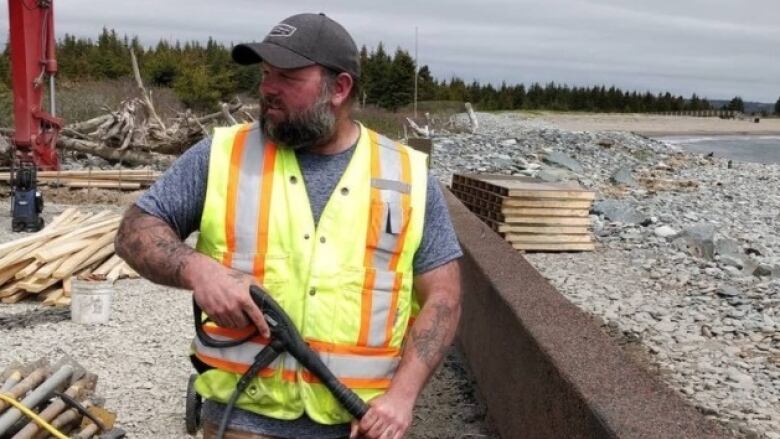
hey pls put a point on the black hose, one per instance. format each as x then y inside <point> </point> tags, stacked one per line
<point>284,337</point>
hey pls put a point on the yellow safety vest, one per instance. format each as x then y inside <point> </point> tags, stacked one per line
<point>346,284</point>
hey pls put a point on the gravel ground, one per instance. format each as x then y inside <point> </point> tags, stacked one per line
<point>141,359</point>
<point>686,271</point>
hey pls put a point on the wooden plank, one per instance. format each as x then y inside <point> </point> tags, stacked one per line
<point>537,239</point>
<point>554,247</point>
<point>36,285</point>
<point>28,270</point>
<point>498,202</point>
<point>73,263</point>
<point>102,184</point>
<point>543,230</point>
<point>520,186</point>
<point>9,273</point>
<point>14,298</point>
<point>547,221</point>
<point>58,251</point>
<point>529,211</point>
<point>50,297</point>
<point>104,268</point>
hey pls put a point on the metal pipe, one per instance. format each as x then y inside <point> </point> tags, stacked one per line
<point>35,397</point>
<point>52,99</point>
<point>12,380</point>
<point>56,407</point>
<point>28,383</point>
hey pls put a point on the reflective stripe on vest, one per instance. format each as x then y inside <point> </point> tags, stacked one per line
<point>390,201</point>
<point>245,203</point>
<point>352,369</point>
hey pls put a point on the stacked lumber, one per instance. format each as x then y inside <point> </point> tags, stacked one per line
<point>124,179</point>
<point>531,214</point>
<point>43,264</point>
<point>62,397</point>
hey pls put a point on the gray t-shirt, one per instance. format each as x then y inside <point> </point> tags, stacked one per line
<point>178,198</point>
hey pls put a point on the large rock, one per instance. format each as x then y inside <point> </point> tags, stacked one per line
<point>562,160</point>
<point>618,211</point>
<point>623,177</point>
<point>554,175</point>
<point>698,240</point>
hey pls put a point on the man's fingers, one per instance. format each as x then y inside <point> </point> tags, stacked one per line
<point>257,318</point>
<point>354,429</point>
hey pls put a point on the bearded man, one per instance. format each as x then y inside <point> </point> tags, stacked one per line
<point>344,227</point>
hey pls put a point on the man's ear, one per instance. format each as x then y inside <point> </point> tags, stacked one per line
<point>342,88</point>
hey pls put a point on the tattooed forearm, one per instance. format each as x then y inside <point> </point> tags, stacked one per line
<point>152,248</point>
<point>431,341</point>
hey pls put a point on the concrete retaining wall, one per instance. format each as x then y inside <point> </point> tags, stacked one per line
<point>545,368</point>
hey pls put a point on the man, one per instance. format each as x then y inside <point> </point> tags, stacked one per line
<point>344,227</point>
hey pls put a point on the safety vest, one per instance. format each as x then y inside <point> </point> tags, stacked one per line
<point>346,284</point>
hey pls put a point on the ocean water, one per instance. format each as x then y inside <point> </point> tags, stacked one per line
<point>757,149</point>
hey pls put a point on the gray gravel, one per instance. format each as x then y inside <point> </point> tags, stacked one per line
<point>141,358</point>
<point>687,262</point>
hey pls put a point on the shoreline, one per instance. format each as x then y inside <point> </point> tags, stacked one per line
<point>664,134</point>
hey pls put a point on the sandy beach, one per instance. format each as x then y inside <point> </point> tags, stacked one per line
<point>657,126</point>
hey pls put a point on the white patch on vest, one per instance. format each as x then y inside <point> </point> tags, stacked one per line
<point>282,30</point>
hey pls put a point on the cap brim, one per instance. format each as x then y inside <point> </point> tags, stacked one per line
<point>277,56</point>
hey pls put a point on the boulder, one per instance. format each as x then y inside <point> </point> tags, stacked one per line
<point>618,211</point>
<point>698,241</point>
<point>665,232</point>
<point>562,160</point>
<point>623,177</point>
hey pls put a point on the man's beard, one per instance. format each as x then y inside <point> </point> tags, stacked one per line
<point>311,127</point>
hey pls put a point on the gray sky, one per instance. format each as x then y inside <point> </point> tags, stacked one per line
<point>715,48</point>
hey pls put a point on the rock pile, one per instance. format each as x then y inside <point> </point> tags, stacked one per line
<point>688,259</point>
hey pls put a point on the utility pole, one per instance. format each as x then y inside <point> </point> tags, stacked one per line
<point>416,70</point>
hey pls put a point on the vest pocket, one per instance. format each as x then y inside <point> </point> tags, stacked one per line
<point>389,221</point>
<point>374,307</point>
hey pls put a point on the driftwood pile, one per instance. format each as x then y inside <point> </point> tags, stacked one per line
<point>62,396</point>
<point>134,134</point>
<point>75,244</point>
<point>124,179</point>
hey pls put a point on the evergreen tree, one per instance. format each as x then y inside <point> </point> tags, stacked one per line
<point>777,107</point>
<point>736,104</point>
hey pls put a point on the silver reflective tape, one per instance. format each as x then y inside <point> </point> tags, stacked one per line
<point>384,280</point>
<point>353,366</point>
<point>395,218</point>
<point>389,160</point>
<point>243,263</point>
<point>248,198</point>
<point>391,185</point>
<point>380,312</point>
<point>243,354</point>
<point>384,250</point>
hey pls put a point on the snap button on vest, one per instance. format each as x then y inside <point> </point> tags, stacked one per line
<point>306,236</point>
<point>293,179</point>
<point>344,191</point>
<point>322,239</point>
<point>312,291</point>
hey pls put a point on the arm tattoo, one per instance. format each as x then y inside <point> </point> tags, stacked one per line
<point>151,247</point>
<point>431,343</point>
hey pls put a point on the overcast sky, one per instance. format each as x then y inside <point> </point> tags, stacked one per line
<point>715,48</point>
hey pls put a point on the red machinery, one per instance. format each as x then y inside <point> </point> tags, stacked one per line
<point>32,61</point>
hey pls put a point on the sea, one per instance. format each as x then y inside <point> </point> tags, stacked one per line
<point>756,149</point>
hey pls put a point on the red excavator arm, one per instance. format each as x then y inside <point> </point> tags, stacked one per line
<point>32,62</point>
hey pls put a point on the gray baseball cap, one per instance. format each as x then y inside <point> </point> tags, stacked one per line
<point>304,40</point>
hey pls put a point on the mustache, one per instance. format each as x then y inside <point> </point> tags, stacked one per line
<point>271,101</point>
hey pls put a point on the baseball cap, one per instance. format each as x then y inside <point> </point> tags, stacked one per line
<point>303,40</point>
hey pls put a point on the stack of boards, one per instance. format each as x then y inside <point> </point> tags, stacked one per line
<point>530,214</point>
<point>75,244</point>
<point>124,179</point>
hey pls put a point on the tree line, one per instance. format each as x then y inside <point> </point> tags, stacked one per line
<point>203,74</point>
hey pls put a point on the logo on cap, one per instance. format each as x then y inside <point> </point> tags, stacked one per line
<point>282,30</point>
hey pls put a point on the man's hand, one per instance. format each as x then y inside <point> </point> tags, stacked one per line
<point>224,295</point>
<point>151,247</point>
<point>389,416</point>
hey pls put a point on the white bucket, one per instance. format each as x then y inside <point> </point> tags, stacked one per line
<point>90,301</point>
